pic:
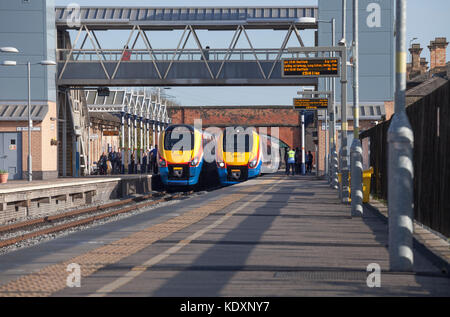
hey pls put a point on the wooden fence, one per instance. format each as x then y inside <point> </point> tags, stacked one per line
<point>430,121</point>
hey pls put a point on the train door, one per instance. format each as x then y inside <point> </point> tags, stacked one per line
<point>11,154</point>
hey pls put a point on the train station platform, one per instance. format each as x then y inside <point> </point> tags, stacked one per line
<point>275,235</point>
<point>20,199</point>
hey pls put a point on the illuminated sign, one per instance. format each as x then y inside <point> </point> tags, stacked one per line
<point>310,103</point>
<point>310,67</point>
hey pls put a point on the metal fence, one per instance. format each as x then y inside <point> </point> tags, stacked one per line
<point>430,121</point>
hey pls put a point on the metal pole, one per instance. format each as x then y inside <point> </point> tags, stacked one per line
<point>302,166</point>
<point>154,142</point>
<point>344,148</point>
<point>334,156</point>
<point>356,148</point>
<point>135,144</point>
<point>148,134</point>
<point>317,146</point>
<point>122,131</point>
<point>88,160</point>
<point>129,145</point>
<point>326,143</point>
<point>400,162</point>
<point>141,147</point>
<point>30,125</point>
<point>64,135</point>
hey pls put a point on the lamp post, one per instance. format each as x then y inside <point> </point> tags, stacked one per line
<point>333,165</point>
<point>343,162</point>
<point>400,162</point>
<point>332,168</point>
<point>30,121</point>
<point>356,149</point>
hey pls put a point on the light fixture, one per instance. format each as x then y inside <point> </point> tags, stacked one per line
<point>9,63</point>
<point>9,50</point>
<point>307,20</point>
<point>47,63</point>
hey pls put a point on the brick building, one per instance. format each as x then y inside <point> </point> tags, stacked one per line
<point>285,118</point>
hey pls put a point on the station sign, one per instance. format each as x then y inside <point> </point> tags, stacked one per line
<point>24,129</point>
<point>310,67</point>
<point>310,103</point>
<point>110,133</point>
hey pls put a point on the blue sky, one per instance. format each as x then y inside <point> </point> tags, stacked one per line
<point>426,20</point>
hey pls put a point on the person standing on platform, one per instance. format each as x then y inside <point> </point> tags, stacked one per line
<point>154,155</point>
<point>298,156</point>
<point>111,159</point>
<point>286,150</point>
<point>102,163</point>
<point>144,163</point>
<point>291,162</point>
<point>309,162</point>
<point>118,163</point>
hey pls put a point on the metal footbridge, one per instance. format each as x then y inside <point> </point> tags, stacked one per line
<point>178,66</point>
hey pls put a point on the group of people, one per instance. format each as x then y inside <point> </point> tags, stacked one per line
<point>112,163</point>
<point>293,160</point>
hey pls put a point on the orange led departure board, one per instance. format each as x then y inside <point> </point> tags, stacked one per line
<point>310,103</point>
<point>310,67</point>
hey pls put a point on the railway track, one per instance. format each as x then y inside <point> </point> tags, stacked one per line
<point>21,231</point>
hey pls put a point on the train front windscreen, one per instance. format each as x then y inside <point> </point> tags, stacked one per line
<point>179,139</point>
<point>237,142</point>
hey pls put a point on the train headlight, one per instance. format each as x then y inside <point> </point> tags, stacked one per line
<point>221,164</point>
<point>252,164</point>
<point>194,162</point>
<point>162,162</point>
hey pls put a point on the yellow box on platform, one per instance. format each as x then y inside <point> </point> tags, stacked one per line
<point>367,175</point>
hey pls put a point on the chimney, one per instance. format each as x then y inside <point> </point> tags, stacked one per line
<point>415,51</point>
<point>438,52</point>
<point>423,65</point>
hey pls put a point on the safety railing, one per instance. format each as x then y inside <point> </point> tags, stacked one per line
<point>139,55</point>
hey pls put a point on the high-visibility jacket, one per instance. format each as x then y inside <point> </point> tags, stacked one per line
<point>291,156</point>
